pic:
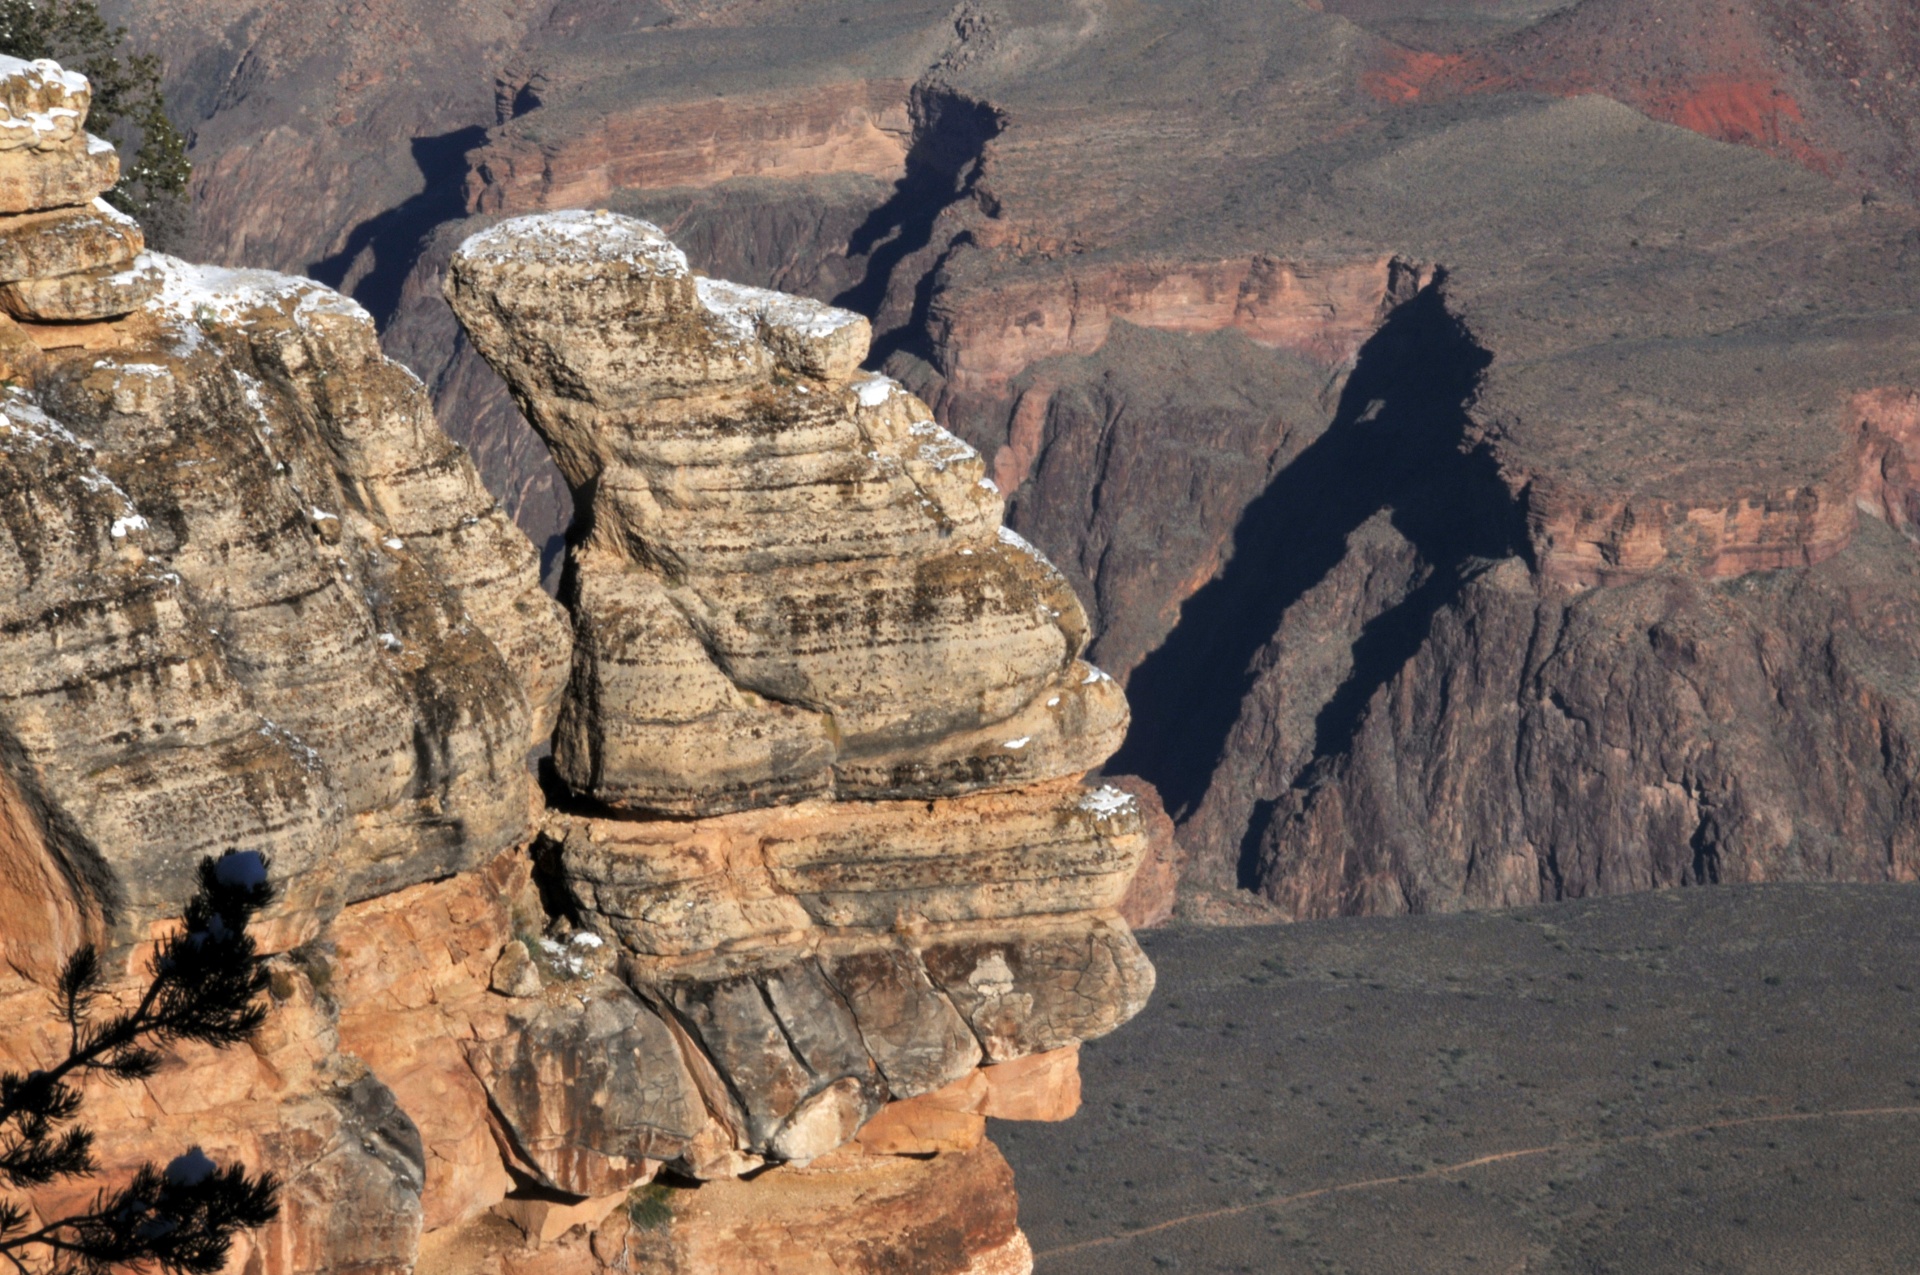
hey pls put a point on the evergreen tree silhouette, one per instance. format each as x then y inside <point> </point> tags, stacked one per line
<point>205,986</point>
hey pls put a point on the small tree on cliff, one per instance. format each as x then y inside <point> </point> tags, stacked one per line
<point>206,986</point>
<point>127,105</point>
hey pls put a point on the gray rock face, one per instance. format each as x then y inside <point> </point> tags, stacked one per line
<point>590,1087</point>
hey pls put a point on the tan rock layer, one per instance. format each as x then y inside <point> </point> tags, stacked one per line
<point>791,581</point>
<point>236,524</point>
<point>63,177</point>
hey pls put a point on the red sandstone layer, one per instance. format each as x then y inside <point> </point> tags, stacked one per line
<point>1581,540</point>
<point>854,127</point>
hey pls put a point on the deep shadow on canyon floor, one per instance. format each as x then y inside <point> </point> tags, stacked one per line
<point>1723,1080</point>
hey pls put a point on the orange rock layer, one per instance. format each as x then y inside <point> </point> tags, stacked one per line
<point>383,1026</point>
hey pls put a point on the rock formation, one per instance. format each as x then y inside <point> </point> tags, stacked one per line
<point>813,887</point>
<point>803,628</point>
<point>1160,264</point>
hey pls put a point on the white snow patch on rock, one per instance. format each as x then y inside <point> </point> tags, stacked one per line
<point>578,237</point>
<point>745,308</point>
<point>198,295</point>
<point>1107,801</point>
<point>875,390</point>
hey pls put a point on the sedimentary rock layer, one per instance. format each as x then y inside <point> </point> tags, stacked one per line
<point>794,583</point>
<point>260,600</point>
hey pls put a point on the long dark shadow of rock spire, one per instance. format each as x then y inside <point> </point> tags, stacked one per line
<point>1396,443</point>
<point>395,236</point>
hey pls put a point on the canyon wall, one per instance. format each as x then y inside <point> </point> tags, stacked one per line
<point>809,887</point>
<point>1279,327</point>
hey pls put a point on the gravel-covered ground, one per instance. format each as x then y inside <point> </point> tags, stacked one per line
<point>1721,1080</point>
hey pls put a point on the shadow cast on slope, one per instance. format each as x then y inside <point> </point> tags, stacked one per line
<point>1397,444</point>
<point>950,136</point>
<point>395,237</point>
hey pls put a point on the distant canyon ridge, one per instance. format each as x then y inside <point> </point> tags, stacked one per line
<point>1485,433</point>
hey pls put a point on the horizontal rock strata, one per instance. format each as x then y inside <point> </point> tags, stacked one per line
<point>792,582</point>
<point>804,633</point>
<point>835,128</point>
<point>258,598</point>
<point>819,889</point>
<point>64,253</point>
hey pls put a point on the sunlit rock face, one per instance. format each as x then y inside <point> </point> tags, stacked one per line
<point>255,595</point>
<point>823,743</point>
<point>789,581</point>
<point>816,886</point>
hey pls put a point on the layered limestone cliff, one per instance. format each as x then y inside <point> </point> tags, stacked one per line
<point>812,887</point>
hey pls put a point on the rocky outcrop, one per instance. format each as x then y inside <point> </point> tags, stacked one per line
<point>64,253</point>
<point>805,635</point>
<point>793,582</point>
<point>261,600</point>
<point>811,890</point>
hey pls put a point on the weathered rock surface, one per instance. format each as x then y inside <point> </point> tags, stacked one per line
<point>798,571</point>
<point>258,599</point>
<point>60,260</point>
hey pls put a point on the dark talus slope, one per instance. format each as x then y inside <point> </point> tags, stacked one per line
<point>1142,257</point>
<point>1705,1079</point>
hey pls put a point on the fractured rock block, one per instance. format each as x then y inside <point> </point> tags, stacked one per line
<point>105,293</point>
<point>591,1090</point>
<point>790,1048</point>
<point>1042,988</point>
<point>62,177</point>
<point>68,241</point>
<point>912,1032</point>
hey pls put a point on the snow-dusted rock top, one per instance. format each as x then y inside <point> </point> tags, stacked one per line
<point>578,237</point>
<point>42,104</point>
